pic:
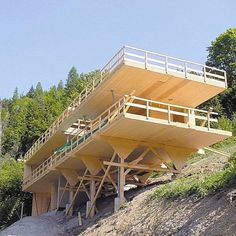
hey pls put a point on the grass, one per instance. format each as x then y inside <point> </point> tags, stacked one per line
<point>209,184</point>
<point>224,143</point>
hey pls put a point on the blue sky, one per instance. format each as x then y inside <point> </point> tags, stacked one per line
<point>41,40</point>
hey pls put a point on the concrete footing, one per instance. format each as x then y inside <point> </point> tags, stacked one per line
<point>117,204</point>
<point>92,212</point>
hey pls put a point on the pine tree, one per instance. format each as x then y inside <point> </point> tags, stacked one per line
<point>60,85</point>
<point>74,84</point>
<point>15,94</point>
<point>31,92</point>
<point>38,89</point>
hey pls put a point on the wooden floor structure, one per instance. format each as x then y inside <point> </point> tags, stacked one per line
<point>139,116</point>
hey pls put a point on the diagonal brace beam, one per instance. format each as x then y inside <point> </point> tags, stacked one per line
<point>101,184</point>
<point>80,185</point>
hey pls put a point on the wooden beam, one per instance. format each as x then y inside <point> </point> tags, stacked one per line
<point>36,204</point>
<point>139,167</point>
<point>122,147</point>
<point>73,199</point>
<point>70,175</point>
<point>87,193</point>
<point>109,177</point>
<point>121,182</point>
<point>62,196</point>
<point>92,195</point>
<point>96,178</point>
<point>136,161</point>
<point>217,151</point>
<point>103,179</point>
<point>160,157</point>
<point>131,99</point>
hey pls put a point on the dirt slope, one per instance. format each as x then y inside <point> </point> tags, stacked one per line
<point>212,215</point>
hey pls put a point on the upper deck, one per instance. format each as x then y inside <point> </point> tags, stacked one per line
<point>138,72</point>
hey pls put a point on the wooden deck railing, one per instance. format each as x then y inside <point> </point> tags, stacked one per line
<point>130,105</point>
<point>146,59</point>
<point>167,64</point>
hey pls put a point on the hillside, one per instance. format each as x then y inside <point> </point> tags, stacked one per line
<point>186,213</point>
<point>212,214</point>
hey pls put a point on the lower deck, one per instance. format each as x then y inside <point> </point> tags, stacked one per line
<point>131,120</point>
<point>125,144</point>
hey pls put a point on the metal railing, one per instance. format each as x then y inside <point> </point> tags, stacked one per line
<point>128,105</point>
<point>144,58</point>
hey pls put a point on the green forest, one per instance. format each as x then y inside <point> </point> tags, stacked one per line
<point>26,116</point>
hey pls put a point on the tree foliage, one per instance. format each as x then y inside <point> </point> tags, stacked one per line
<point>222,54</point>
<point>11,196</point>
<point>24,119</point>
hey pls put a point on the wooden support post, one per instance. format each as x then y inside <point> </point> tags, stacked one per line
<point>61,197</point>
<point>77,190</point>
<point>79,219</point>
<point>121,184</point>
<point>22,210</point>
<point>102,182</point>
<point>71,201</point>
<point>92,195</point>
<point>54,191</point>
<point>58,192</point>
<point>36,204</point>
<point>121,180</point>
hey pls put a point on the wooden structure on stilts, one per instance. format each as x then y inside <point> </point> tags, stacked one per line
<point>141,117</point>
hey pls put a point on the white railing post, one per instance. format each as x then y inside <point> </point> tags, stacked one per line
<point>208,120</point>
<point>189,121</point>
<point>225,78</point>
<point>146,60</point>
<point>169,118</point>
<point>147,107</point>
<point>193,118</point>
<point>109,115</point>
<point>123,53</point>
<point>204,73</point>
<point>100,122</point>
<point>166,64</point>
<point>185,70</point>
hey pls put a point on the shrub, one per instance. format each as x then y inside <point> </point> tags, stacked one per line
<point>11,195</point>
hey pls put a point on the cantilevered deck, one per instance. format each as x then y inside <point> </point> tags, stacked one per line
<point>131,118</point>
<point>139,72</point>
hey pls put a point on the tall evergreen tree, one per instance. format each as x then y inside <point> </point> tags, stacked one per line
<point>60,85</point>
<point>31,92</point>
<point>222,54</point>
<point>38,89</point>
<point>74,84</point>
<point>15,94</point>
